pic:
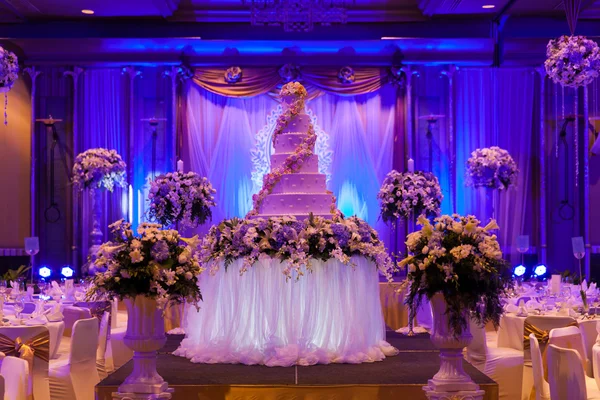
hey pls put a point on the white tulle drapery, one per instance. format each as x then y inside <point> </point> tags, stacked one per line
<point>332,315</point>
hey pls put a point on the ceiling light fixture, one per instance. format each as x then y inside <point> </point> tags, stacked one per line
<point>88,12</point>
<point>488,6</point>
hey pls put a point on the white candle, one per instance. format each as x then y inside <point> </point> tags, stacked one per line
<point>411,165</point>
<point>180,166</point>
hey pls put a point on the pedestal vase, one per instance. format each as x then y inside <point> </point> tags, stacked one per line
<point>145,335</point>
<point>451,381</point>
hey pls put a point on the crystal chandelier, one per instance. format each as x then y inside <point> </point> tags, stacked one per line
<point>297,15</point>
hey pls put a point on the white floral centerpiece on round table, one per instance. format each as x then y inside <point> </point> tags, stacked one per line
<point>147,272</point>
<point>181,197</point>
<point>457,264</point>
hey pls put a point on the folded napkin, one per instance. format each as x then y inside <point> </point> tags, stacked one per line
<point>56,288</point>
<point>592,288</point>
<point>511,308</point>
<point>55,316</point>
<point>40,320</point>
<point>533,305</point>
<point>522,309</point>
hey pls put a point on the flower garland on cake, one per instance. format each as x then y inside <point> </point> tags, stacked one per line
<point>294,241</point>
<point>301,154</point>
<point>181,197</point>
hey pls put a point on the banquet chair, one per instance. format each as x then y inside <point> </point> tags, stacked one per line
<point>16,377</point>
<point>566,378</point>
<point>73,314</point>
<point>542,389</point>
<point>502,364</point>
<point>75,377</point>
<point>38,386</point>
<point>104,363</point>
<point>589,333</point>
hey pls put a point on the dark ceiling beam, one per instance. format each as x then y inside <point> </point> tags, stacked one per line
<point>159,28</point>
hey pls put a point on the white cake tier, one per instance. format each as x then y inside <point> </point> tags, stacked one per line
<point>310,166</point>
<point>288,142</point>
<point>301,183</point>
<point>299,217</point>
<point>296,203</point>
<point>299,124</point>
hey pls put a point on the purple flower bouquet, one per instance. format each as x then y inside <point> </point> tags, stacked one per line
<point>97,168</point>
<point>179,197</point>
<point>409,193</point>
<point>491,167</point>
<point>572,61</point>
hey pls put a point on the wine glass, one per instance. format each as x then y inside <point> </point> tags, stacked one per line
<point>19,306</point>
<point>2,288</point>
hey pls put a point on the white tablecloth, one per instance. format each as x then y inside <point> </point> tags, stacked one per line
<point>55,329</point>
<point>510,333</point>
<point>330,315</point>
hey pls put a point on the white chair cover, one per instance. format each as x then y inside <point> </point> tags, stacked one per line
<point>502,364</point>
<point>73,314</point>
<point>16,377</point>
<point>542,390</point>
<point>38,384</point>
<point>103,363</point>
<point>569,338</point>
<point>596,363</point>
<point>565,374</point>
<point>589,335</point>
<point>76,378</point>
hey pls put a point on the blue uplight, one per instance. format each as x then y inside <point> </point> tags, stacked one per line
<point>540,270</point>
<point>519,270</point>
<point>67,271</point>
<point>44,271</point>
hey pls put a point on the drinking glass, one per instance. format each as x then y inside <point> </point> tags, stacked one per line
<point>2,288</point>
<point>19,306</point>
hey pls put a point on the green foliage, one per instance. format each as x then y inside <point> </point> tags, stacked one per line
<point>14,274</point>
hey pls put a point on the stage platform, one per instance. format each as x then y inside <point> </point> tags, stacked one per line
<point>399,377</point>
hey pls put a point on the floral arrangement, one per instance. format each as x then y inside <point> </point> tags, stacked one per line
<point>9,68</point>
<point>97,168</point>
<point>289,72</point>
<point>492,167</point>
<point>457,257</point>
<point>346,75</point>
<point>301,154</point>
<point>157,263</point>
<point>409,193</point>
<point>294,241</point>
<point>181,197</point>
<point>233,74</point>
<point>572,60</point>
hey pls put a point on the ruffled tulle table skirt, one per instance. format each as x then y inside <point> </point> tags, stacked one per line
<point>332,315</point>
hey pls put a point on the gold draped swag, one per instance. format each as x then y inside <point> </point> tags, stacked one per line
<point>37,346</point>
<point>261,80</point>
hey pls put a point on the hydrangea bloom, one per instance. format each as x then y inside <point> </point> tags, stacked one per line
<point>459,258</point>
<point>97,168</point>
<point>181,197</point>
<point>491,167</point>
<point>409,193</point>
<point>296,241</point>
<point>572,60</point>
<point>158,263</point>
<point>9,68</point>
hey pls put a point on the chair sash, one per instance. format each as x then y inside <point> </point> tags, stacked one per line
<point>540,334</point>
<point>37,346</point>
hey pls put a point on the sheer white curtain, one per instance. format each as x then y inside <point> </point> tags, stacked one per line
<point>221,133</point>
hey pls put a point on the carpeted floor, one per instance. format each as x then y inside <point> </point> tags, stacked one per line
<point>417,362</point>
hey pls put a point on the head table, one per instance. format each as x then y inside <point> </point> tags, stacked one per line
<point>330,315</point>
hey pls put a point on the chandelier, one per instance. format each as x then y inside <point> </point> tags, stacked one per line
<point>297,15</point>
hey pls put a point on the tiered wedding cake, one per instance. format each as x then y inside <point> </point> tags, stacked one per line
<point>294,186</point>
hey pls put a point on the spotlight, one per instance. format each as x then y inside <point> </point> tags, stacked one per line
<point>488,6</point>
<point>67,271</point>
<point>44,271</point>
<point>540,270</point>
<point>519,270</point>
<point>87,12</point>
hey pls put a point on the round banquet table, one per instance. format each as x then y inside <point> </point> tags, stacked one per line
<point>55,330</point>
<point>330,315</point>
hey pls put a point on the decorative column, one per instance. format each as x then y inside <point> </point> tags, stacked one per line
<point>176,74</point>
<point>33,74</point>
<point>133,73</point>
<point>542,149</point>
<point>451,142</point>
<point>77,71</point>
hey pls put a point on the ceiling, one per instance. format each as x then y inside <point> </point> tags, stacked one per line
<point>205,31</point>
